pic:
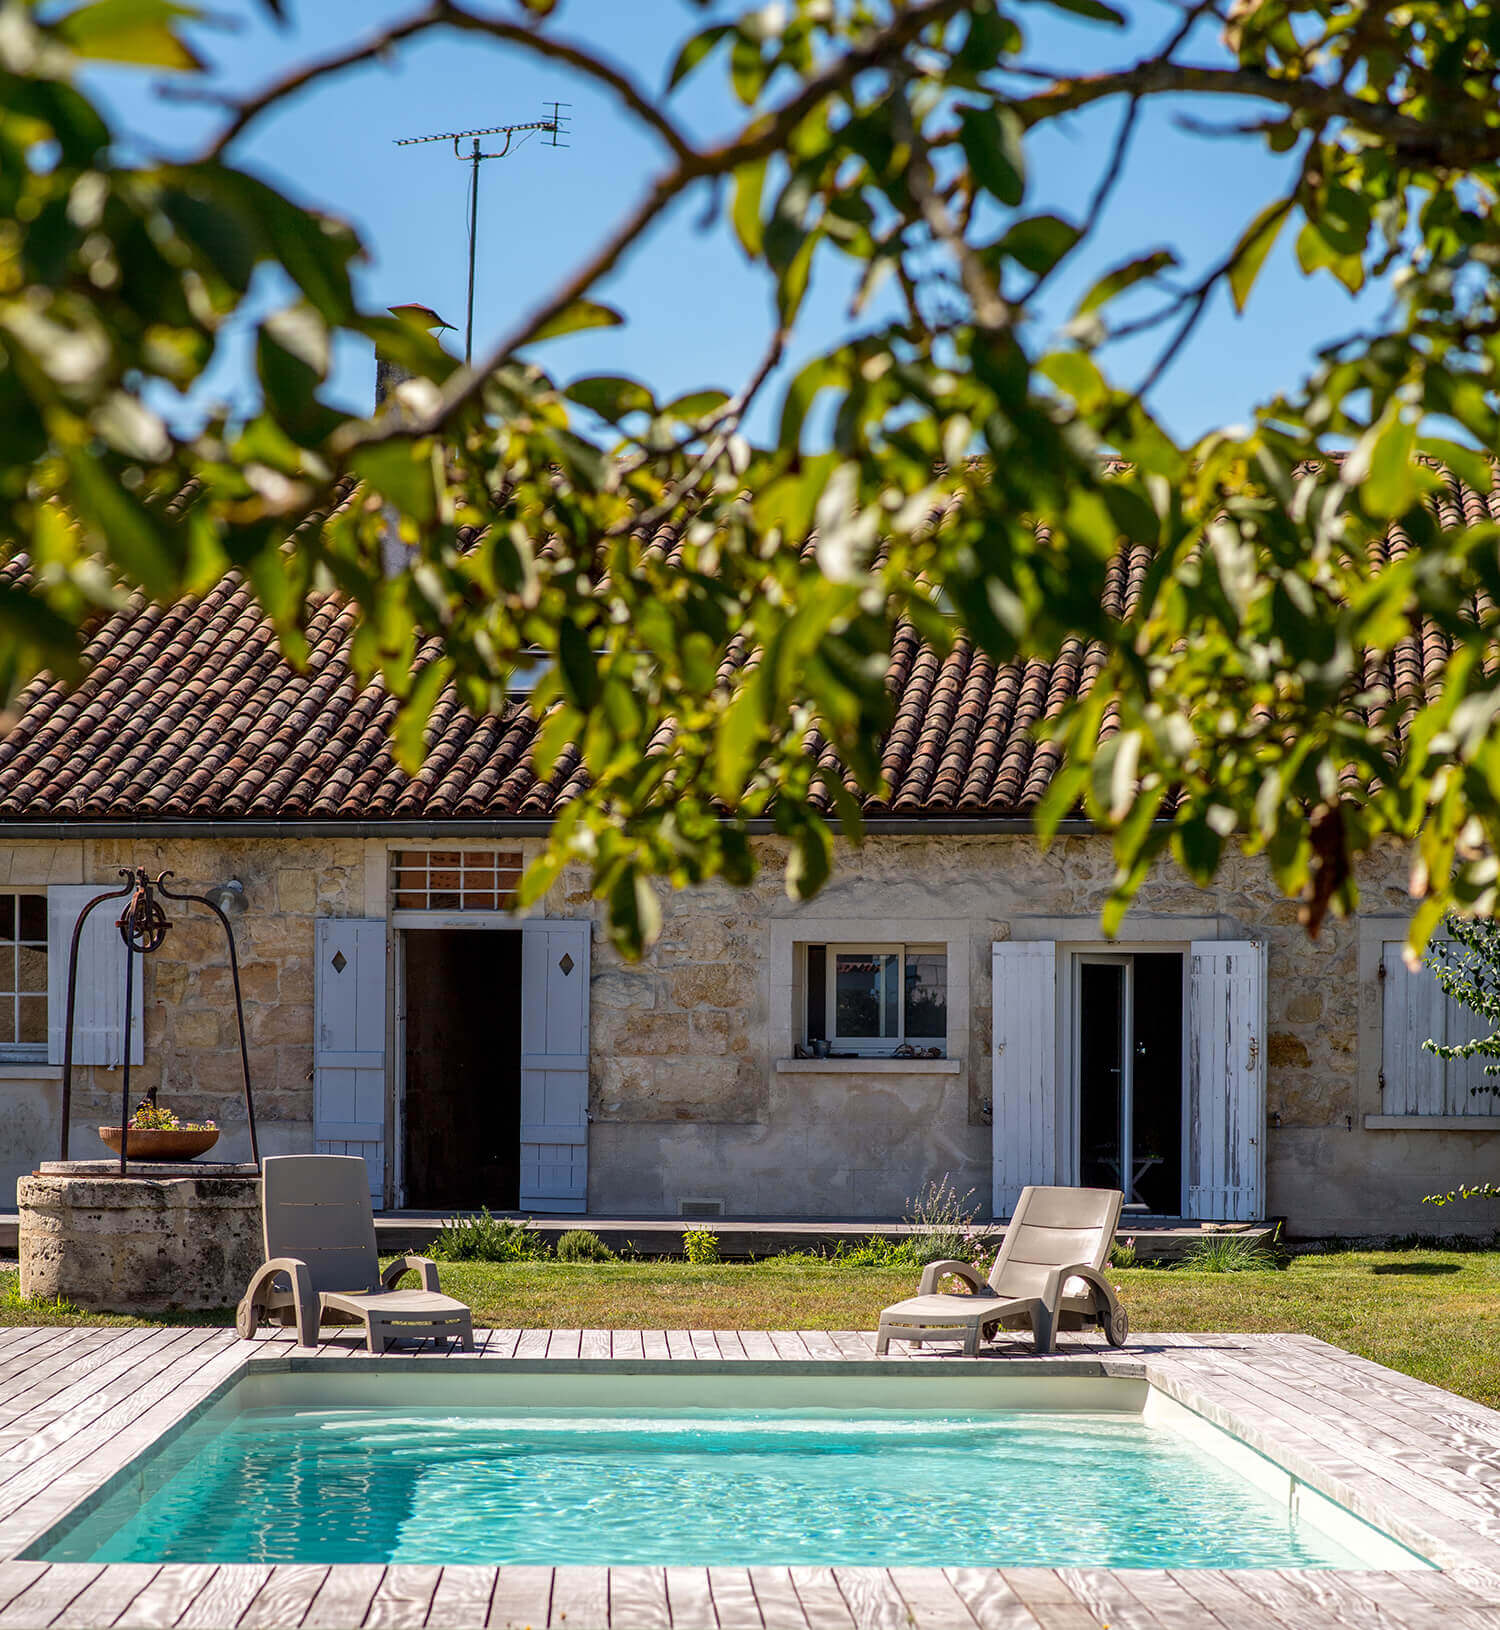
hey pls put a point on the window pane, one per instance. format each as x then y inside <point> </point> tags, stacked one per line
<point>927,994</point>
<point>7,1019</point>
<point>7,968</point>
<point>34,918</point>
<point>31,969</point>
<point>817,992</point>
<point>7,916</point>
<point>865,993</point>
<point>33,1019</point>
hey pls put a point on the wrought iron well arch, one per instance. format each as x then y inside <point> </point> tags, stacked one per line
<point>143,926</point>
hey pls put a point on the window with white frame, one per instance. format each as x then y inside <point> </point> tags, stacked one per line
<point>23,975</point>
<point>872,1000</point>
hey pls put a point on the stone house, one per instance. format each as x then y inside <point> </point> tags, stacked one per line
<point>1211,1060</point>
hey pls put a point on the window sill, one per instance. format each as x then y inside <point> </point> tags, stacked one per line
<point>869,1066</point>
<point>1432,1123</point>
<point>20,1070</point>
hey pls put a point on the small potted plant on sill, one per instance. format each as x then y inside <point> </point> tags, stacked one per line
<point>155,1133</point>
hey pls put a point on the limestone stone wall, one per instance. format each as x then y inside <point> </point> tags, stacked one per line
<point>686,1097</point>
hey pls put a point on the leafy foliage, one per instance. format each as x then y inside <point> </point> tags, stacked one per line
<point>1466,964</point>
<point>946,1220</point>
<point>583,1245</point>
<point>700,1246</point>
<point>479,1237</point>
<point>739,675</point>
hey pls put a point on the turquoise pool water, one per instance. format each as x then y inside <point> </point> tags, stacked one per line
<point>1010,1488</point>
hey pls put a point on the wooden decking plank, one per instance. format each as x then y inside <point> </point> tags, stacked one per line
<point>1216,1590</point>
<point>533,1344</point>
<point>44,1351</point>
<point>776,1597</point>
<point>1107,1596</point>
<point>874,1602</point>
<point>931,1601</point>
<point>638,1599</point>
<point>167,1597</point>
<point>819,1344</point>
<point>594,1344</point>
<point>564,1343</point>
<point>857,1344</point>
<point>1171,1606</point>
<point>704,1344</point>
<point>654,1344</point>
<point>285,1597</point>
<point>757,1343</point>
<point>18,1576</point>
<point>690,1603</point>
<point>522,1598</point>
<point>1050,1600</point>
<point>679,1343</point>
<point>105,1598</point>
<point>729,1344</point>
<point>40,1494</point>
<point>991,1602</point>
<point>37,1394</point>
<point>1384,1602</point>
<point>345,1595</point>
<point>580,1599</point>
<point>1456,1603</point>
<point>502,1343</point>
<point>48,1594</point>
<point>404,1596</point>
<point>626,1344</point>
<point>223,1600</point>
<point>462,1598</point>
<point>822,1600</point>
<point>734,1600</point>
<point>788,1344</point>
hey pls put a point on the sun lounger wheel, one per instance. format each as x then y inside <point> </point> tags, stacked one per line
<point>1116,1327</point>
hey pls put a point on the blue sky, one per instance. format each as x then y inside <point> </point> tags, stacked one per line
<point>697,313</point>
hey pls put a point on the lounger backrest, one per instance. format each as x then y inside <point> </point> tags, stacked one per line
<point>1054,1228</point>
<point>317,1208</point>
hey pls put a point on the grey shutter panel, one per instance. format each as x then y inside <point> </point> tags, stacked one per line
<point>99,999</point>
<point>349,1044</point>
<point>1416,1082</point>
<point>554,1064</point>
<point>1024,1068</point>
<point>1226,1081</point>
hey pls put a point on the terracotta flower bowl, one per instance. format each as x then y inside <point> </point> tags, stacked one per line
<point>161,1143</point>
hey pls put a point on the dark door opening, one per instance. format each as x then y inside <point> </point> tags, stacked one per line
<point>462,1111</point>
<point>1130,1078</point>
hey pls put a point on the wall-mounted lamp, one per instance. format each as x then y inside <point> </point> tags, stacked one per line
<point>229,897</point>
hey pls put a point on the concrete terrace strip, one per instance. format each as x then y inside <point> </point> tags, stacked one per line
<point>77,1404</point>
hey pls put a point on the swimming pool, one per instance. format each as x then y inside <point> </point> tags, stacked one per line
<point>292,1469</point>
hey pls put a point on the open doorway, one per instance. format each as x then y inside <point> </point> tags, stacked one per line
<point>461,1119</point>
<point>1130,1092</point>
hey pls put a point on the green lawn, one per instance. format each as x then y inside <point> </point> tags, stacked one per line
<point>1432,1313</point>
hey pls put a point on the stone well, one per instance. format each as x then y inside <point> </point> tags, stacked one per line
<point>181,1236</point>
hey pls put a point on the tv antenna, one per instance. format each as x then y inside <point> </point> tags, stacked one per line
<point>555,125</point>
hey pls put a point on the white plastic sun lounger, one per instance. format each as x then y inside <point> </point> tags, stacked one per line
<point>1049,1274</point>
<point>321,1260</point>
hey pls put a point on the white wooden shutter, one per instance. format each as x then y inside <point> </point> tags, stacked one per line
<point>349,1049</point>
<point>1414,1081</point>
<point>1226,1081</point>
<point>554,1064</point>
<point>99,999</point>
<point>1024,1068</point>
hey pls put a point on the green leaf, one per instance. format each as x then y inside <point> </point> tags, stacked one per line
<point>695,405</point>
<point>139,32</point>
<point>611,396</point>
<point>579,315</point>
<point>402,471</point>
<point>992,143</point>
<point>1125,276</point>
<point>694,51</point>
<point>1251,251</point>
<point>1315,253</point>
<point>749,184</point>
<point>577,665</point>
<point>1039,242</point>
<point>811,859</point>
<point>747,69</point>
<point>1391,485</point>
<point>634,913</point>
<point>409,734</point>
<point>1095,10</point>
<point>739,742</point>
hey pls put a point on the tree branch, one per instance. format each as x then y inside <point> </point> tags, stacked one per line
<point>446,14</point>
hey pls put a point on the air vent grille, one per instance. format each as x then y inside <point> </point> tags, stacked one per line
<point>700,1208</point>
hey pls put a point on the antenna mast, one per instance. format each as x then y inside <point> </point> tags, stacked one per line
<point>555,125</point>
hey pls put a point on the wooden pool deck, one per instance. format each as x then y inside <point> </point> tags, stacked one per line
<point>78,1404</point>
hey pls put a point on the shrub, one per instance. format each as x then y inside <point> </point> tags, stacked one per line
<point>583,1245</point>
<point>1123,1254</point>
<point>878,1253</point>
<point>946,1219</point>
<point>479,1237</point>
<point>700,1245</point>
<point>1230,1253</point>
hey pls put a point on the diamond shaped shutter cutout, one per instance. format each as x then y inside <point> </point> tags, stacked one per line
<point>340,962</point>
<point>566,964</point>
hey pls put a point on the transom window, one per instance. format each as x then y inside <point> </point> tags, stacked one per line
<point>455,879</point>
<point>873,999</point>
<point>23,975</point>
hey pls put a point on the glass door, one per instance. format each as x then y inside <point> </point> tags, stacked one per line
<point>1105,1055</point>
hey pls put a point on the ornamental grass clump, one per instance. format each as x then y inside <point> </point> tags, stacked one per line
<point>583,1245</point>
<point>1230,1253</point>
